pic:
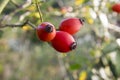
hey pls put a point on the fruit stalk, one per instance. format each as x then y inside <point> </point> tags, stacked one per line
<point>39,10</point>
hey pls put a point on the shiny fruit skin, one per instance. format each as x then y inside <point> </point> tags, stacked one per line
<point>116,7</point>
<point>71,25</point>
<point>63,42</point>
<point>44,33</point>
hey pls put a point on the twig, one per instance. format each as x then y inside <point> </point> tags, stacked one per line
<point>14,25</point>
<point>32,25</point>
<point>39,10</point>
<point>19,25</point>
<point>114,27</point>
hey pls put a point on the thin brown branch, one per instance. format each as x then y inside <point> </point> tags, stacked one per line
<point>19,25</point>
<point>14,25</point>
<point>32,25</point>
<point>39,10</point>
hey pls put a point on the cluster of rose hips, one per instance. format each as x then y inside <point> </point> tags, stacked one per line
<point>62,39</point>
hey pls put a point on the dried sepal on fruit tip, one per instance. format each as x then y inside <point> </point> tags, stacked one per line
<point>73,45</point>
<point>82,20</point>
<point>49,28</point>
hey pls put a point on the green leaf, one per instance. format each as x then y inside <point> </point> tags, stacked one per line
<point>74,66</point>
<point>1,33</point>
<point>118,62</point>
<point>109,47</point>
<point>3,3</point>
<point>1,68</point>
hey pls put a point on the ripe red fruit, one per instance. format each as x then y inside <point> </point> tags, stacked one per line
<point>63,42</point>
<point>116,7</point>
<point>46,31</point>
<point>71,25</point>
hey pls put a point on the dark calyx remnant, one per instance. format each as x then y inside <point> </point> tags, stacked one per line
<point>82,20</point>
<point>73,45</point>
<point>49,28</point>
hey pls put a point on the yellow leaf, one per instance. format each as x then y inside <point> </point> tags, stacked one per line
<point>31,8</point>
<point>83,75</point>
<point>78,2</point>
<point>90,21</point>
<point>37,15</point>
<point>26,28</point>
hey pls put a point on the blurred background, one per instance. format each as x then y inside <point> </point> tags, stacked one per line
<point>24,57</point>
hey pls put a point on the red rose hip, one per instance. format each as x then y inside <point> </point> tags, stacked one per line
<point>71,25</point>
<point>46,31</point>
<point>63,42</point>
<point>116,7</point>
